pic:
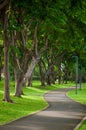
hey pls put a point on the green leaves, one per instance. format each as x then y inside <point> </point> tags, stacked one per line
<point>17,51</point>
<point>78,10</point>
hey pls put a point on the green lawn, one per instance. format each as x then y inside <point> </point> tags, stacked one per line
<point>80,97</point>
<point>31,102</point>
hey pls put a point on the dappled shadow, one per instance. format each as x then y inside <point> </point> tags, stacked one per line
<point>62,114</point>
<point>44,122</point>
<point>41,122</point>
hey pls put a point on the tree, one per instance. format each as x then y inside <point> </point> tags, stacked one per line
<point>1,47</point>
<point>4,8</point>
<point>31,28</point>
<point>42,71</point>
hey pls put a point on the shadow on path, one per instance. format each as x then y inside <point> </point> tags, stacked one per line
<point>62,114</point>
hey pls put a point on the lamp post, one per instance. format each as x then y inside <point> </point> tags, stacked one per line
<point>76,57</point>
<point>80,76</point>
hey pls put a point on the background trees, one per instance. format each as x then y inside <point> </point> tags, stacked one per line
<point>44,33</point>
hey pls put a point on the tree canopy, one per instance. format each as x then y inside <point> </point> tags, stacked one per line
<point>45,33</point>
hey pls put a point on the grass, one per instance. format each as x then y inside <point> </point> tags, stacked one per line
<point>80,97</point>
<point>30,103</point>
<point>33,101</point>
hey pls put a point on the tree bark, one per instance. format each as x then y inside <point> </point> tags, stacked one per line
<point>6,57</point>
<point>18,78</point>
<point>49,80</point>
<point>35,57</point>
<point>6,74</point>
<point>18,88</point>
<point>42,74</point>
<point>52,75</point>
<point>24,79</point>
<point>30,80</point>
<point>0,64</point>
<point>59,73</point>
<point>66,76</point>
<point>20,66</point>
<point>49,72</point>
<point>30,69</point>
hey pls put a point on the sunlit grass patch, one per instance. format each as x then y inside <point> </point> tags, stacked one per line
<point>32,101</point>
<point>81,98</point>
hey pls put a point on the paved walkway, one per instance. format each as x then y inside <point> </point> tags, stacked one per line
<point>62,114</point>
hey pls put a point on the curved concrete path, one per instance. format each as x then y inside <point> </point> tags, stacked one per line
<point>62,114</point>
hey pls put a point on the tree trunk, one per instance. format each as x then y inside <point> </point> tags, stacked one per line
<point>0,64</point>
<point>30,81</point>
<point>23,79</point>
<point>6,74</point>
<point>42,74</point>
<point>35,55</point>
<point>49,80</point>
<point>18,88</point>
<point>66,77</point>
<point>16,76</point>
<point>59,73</point>
<point>49,73</point>
<point>30,69</point>
<point>52,75</point>
<point>6,56</point>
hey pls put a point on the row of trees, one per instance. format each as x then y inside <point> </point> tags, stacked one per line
<point>44,33</point>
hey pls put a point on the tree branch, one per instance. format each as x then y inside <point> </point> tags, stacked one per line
<point>45,47</point>
<point>35,40</point>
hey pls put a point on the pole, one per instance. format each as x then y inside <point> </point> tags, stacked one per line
<point>76,57</point>
<point>76,72</point>
<point>80,76</point>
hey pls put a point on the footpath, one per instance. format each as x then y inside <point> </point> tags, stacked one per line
<point>62,114</point>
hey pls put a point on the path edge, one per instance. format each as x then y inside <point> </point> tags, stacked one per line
<point>78,126</point>
<point>83,119</point>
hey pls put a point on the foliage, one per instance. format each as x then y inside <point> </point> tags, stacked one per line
<point>62,22</point>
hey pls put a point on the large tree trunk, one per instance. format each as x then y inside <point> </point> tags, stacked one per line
<point>49,80</point>
<point>30,80</point>
<point>6,70</point>
<point>30,69</point>
<point>18,87</point>
<point>6,55</point>
<point>0,64</point>
<point>35,57</point>
<point>19,75</point>
<point>24,79</point>
<point>6,74</point>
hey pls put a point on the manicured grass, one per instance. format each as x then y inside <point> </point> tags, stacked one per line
<point>31,102</point>
<point>83,126</point>
<point>80,97</point>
